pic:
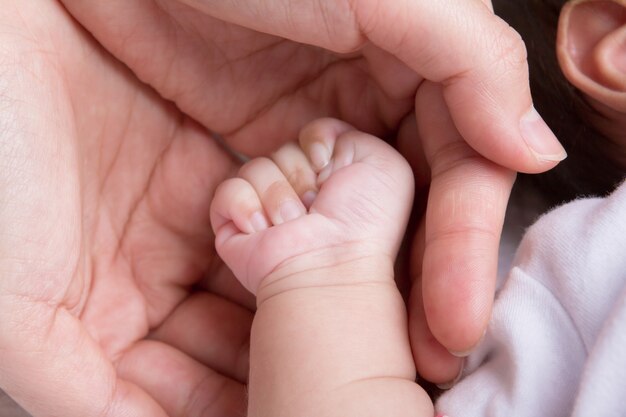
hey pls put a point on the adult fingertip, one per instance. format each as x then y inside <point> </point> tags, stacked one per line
<point>463,331</point>
<point>450,384</point>
<point>467,352</point>
<point>540,139</point>
<point>433,361</point>
<point>461,354</point>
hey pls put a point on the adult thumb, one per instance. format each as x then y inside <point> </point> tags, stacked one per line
<point>478,58</point>
<point>481,63</point>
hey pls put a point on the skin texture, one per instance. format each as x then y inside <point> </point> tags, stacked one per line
<point>330,334</point>
<point>103,234</point>
<point>257,71</point>
<point>103,172</point>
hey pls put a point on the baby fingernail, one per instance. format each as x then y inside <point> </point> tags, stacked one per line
<point>258,221</point>
<point>540,139</point>
<point>290,210</point>
<point>320,155</point>
<point>325,174</point>
<point>308,198</point>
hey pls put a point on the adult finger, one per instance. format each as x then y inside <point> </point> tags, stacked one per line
<point>410,146</point>
<point>464,217</point>
<point>182,386</point>
<point>481,62</point>
<point>476,56</point>
<point>212,331</point>
<point>432,359</point>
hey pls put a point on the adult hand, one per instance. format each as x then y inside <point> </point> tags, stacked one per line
<point>104,230</point>
<point>255,71</point>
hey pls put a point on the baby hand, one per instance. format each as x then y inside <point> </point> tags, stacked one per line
<point>314,232</point>
<point>341,196</point>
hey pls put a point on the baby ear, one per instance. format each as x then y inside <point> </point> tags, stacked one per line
<point>591,48</point>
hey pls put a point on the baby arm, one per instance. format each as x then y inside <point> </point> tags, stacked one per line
<point>314,232</point>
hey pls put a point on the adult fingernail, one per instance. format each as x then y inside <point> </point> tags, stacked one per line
<point>448,385</point>
<point>320,155</point>
<point>461,354</point>
<point>290,210</point>
<point>464,353</point>
<point>258,221</point>
<point>540,139</point>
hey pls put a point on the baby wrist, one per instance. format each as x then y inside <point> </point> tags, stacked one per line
<point>327,268</point>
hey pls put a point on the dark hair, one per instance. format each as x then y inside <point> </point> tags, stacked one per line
<point>591,168</point>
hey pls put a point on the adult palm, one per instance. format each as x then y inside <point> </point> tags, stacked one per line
<point>255,89</point>
<point>256,71</point>
<point>104,234</point>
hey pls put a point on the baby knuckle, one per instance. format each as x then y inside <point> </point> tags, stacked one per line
<point>301,180</point>
<point>253,166</point>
